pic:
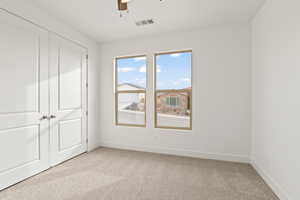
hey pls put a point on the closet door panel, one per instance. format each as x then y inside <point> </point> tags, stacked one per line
<point>19,94</point>
<point>24,134</point>
<point>70,77</point>
<point>70,134</point>
<point>26,139</point>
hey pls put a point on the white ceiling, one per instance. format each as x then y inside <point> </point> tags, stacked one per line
<point>100,19</point>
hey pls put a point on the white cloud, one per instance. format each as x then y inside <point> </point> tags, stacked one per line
<point>125,69</point>
<point>141,81</point>
<point>161,84</point>
<point>139,59</point>
<point>143,69</point>
<point>175,54</point>
<point>176,83</point>
<point>187,80</point>
<point>182,80</point>
<point>158,68</point>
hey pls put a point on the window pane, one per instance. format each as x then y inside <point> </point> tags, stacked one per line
<point>173,90</point>
<point>173,71</point>
<point>173,109</point>
<point>131,73</point>
<point>131,108</point>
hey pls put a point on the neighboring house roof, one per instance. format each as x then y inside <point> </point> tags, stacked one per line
<point>171,94</point>
<point>182,92</point>
<point>129,86</point>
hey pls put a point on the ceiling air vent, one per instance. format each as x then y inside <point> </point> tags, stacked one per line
<point>144,22</point>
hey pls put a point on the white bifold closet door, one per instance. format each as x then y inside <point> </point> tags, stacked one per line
<point>43,99</point>
<point>68,102</point>
<point>24,133</point>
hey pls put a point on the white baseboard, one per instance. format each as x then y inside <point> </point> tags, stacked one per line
<point>188,153</point>
<point>270,181</point>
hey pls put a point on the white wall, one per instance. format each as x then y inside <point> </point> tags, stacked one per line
<point>28,11</point>
<point>221,99</point>
<point>276,96</point>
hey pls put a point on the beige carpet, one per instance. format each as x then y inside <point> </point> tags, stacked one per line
<point>110,174</point>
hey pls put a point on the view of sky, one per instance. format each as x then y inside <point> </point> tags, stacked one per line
<point>173,71</point>
<point>132,70</point>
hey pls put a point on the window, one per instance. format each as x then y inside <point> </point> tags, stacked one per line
<point>130,90</point>
<point>173,90</point>
<point>172,101</point>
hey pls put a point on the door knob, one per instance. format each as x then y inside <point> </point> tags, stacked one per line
<point>43,117</point>
<point>52,116</point>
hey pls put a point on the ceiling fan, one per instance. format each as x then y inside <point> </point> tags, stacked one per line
<point>122,5</point>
